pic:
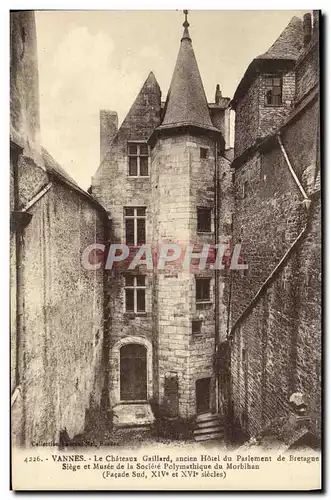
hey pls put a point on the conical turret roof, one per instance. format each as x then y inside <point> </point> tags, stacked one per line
<point>186,103</point>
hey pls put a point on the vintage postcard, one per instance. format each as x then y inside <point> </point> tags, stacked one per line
<point>165,250</point>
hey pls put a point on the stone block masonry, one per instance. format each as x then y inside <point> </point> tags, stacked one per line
<point>276,339</point>
<point>276,349</point>
<point>179,174</point>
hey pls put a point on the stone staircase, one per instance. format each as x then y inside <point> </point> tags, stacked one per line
<point>209,427</point>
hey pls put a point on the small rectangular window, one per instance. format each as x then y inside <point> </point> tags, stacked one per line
<point>135,225</point>
<point>203,153</point>
<point>196,327</point>
<point>138,159</point>
<point>202,289</point>
<point>135,294</point>
<point>273,90</point>
<point>203,220</point>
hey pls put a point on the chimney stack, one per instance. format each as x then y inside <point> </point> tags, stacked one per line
<point>306,29</point>
<point>218,94</point>
<point>108,130</point>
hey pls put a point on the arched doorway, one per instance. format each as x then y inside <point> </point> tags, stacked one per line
<point>133,372</point>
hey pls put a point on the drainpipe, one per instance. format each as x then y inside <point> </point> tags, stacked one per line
<point>306,200</point>
<point>216,228</point>
<point>269,279</point>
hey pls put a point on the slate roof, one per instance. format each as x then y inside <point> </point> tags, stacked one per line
<point>53,168</point>
<point>286,48</point>
<point>186,103</point>
<point>289,43</point>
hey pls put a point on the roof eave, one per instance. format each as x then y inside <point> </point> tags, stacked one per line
<point>180,128</point>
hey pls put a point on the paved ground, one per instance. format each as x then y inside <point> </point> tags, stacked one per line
<point>127,437</point>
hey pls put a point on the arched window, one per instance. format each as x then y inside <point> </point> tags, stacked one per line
<point>133,376</point>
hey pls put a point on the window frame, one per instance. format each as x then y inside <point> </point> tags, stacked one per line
<point>205,279</point>
<point>135,218</point>
<point>268,88</point>
<point>196,322</point>
<point>138,156</point>
<point>204,153</point>
<point>210,230</point>
<point>135,287</point>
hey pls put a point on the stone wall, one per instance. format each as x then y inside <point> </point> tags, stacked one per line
<point>276,345</point>
<point>61,344</point>
<point>24,89</point>
<point>181,182</point>
<point>247,118</point>
<point>268,204</point>
<point>276,349</point>
<point>271,117</point>
<point>115,189</point>
<point>57,333</point>
<point>255,120</point>
<point>307,71</point>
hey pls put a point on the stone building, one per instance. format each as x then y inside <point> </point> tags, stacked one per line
<point>275,333</point>
<point>57,334</point>
<point>174,341</point>
<point>159,182</point>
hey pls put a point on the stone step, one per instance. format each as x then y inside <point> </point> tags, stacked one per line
<point>208,430</point>
<point>209,423</point>
<point>132,415</point>
<point>210,437</point>
<point>207,417</point>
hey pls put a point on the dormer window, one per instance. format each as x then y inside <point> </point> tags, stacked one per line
<point>138,159</point>
<point>273,90</point>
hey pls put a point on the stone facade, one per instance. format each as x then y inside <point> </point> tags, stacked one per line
<point>88,341</point>
<point>57,334</point>
<point>254,120</point>
<point>179,182</point>
<point>178,188</point>
<point>275,309</point>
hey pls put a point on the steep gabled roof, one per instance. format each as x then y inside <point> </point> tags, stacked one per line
<point>186,103</point>
<point>289,43</point>
<point>144,114</point>
<point>286,49</point>
<point>53,168</point>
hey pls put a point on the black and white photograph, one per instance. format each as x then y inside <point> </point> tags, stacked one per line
<point>165,249</point>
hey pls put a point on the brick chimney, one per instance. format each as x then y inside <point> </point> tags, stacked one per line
<point>108,130</point>
<point>306,29</point>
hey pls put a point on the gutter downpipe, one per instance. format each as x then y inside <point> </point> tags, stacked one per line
<point>266,282</point>
<point>306,199</point>
<point>307,202</point>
